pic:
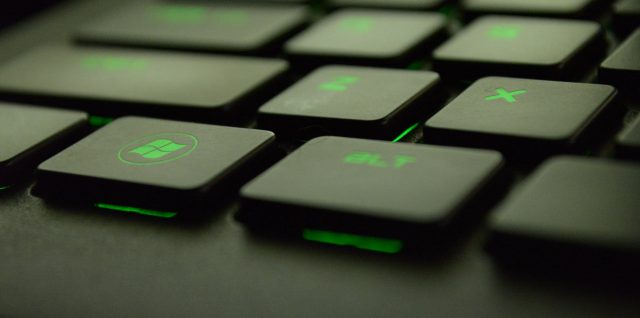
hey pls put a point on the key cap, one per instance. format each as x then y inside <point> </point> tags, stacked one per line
<point>30,134</point>
<point>397,4</point>
<point>622,67</point>
<point>547,8</point>
<point>522,117</point>
<point>396,192</point>
<point>351,101</point>
<point>371,37</point>
<point>628,141</point>
<point>239,28</point>
<point>155,166</point>
<point>113,82</point>
<point>524,47</point>
<point>574,212</point>
<point>626,15</point>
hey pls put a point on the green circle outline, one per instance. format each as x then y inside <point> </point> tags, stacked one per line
<point>195,145</point>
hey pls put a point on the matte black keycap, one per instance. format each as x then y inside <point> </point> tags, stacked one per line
<point>520,46</point>
<point>622,67</point>
<point>352,101</point>
<point>575,212</point>
<point>547,8</point>
<point>116,82</point>
<point>628,141</point>
<point>242,28</point>
<point>521,116</point>
<point>365,187</point>
<point>30,134</point>
<point>143,164</point>
<point>626,15</point>
<point>373,37</point>
<point>395,4</point>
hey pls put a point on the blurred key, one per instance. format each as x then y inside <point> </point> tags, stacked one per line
<point>622,67</point>
<point>521,116</point>
<point>628,141</point>
<point>524,47</point>
<point>116,82</point>
<point>626,15</point>
<point>352,101</point>
<point>393,4</point>
<point>371,37</point>
<point>546,8</point>
<point>153,166</point>
<point>574,213</point>
<point>345,186</point>
<point>30,134</point>
<point>240,28</point>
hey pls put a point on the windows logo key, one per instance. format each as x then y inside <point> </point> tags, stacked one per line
<point>157,149</point>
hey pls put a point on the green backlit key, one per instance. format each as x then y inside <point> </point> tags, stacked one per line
<point>352,101</point>
<point>395,4</point>
<point>154,166</point>
<point>372,37</point>
<point>578,213</point>
<point>549,8</point>
<point>116,82</point>
<point>360,192</point>
<point>519,46</point>
<point>196,26</point>
<point>30,134</point>
<point>522,116</point>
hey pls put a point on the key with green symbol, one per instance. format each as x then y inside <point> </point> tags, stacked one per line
<point>369,194</point>
<point>116,82</point>
<point>369,37</point>
<point>352,101</point>
<point>241,28</point>
<point>521,46</point>
<point>523,117</point>
<point>155,167</point>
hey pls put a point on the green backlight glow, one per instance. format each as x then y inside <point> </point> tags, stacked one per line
<point>2,188</point>
<point>339,84</point>
<point>357,24</point>
<point>508,32</point>
<point>179,14</point>
<point>406,132</point>
<point>99,121</point>
<point>376,160</point>
<point>157,149</point>
<point>128,209</point>
<point>504,94</point>
<point>417,65</point>
<point>369,243</point>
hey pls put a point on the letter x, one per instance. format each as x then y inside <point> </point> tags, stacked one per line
<point>503,94</point>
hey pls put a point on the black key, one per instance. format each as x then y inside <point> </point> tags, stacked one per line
<point>114,82</point>
<point>242,28</point>
<point>628,141</point>
<point>626,15</point>
<point>547,8</point>
<point>351,101</point>
<point>29,135</point>
<point>351,186</point>
<point>574,212</point>
<point>526,47</point>
<point>395,4</point>
<point>521,116</point>
<point>154,166</point>
<point>360,36</point>
<point>622,67</point>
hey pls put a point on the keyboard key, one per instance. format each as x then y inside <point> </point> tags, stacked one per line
<point>351,101</point>
<point>372,37</point>
<point>572,211</point>
<point>241,28</point>
<point>521,116</point>
<point>523,47</point>
<point>114,82</point>
<point>622,67</point>
<point>396,4</point>
<point>547,8</point>
<point>628,141</point>
<point>154,165</point>
<point>626,15</point>
<point>372,188</point>
<point>29,135</point>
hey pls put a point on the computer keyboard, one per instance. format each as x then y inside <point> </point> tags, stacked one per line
<point>339,158</point>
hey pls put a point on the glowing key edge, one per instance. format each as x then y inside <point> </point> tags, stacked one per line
<point>129,209</point>
<point>406,132</point>
<point>369,243</point>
